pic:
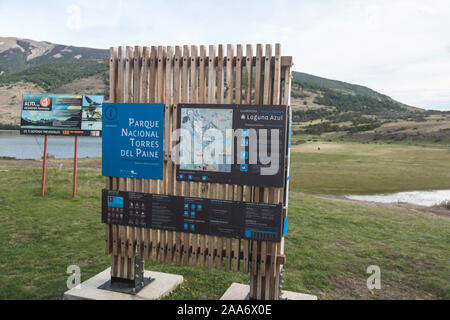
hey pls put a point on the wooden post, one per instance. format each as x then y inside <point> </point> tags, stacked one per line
<point>75,167</point>
<point>44,166</point>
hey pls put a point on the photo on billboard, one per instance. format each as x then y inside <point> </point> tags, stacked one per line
<point>91,114</point>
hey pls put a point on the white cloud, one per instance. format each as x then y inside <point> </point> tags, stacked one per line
<point>398,47</point>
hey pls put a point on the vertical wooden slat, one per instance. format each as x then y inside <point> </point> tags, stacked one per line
<point>219,188</point>
<point>229,100</point>
<point>203,90</point>
<point>220,74</point>
<point>248,74</point>
<point>112,93</point>
<point>130,183</point>
<point>170,177</point>
<point>268,192</point>
<point>202,75</point>
<point>248,100</point>
<point>177,99</point>
<point>238,85</point>
<point>160,99</point>
<point>145,74</point>
<point>185,84</point>
<point>255,281</point>
<point>138,96</point>
<point>211,99</point>
<point>238,100</point>
<point>122,82</point>
<point>194,97</point>
<point>152,95</point>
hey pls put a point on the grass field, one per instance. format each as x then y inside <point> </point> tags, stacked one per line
<point>329,245</point>
<point>356,168</point>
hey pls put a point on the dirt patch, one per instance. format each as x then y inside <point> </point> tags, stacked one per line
<point>7,162</point>
<point>90,85</point>
<point>324,147</point>
<point>355,287</point>
<point>19,240</point>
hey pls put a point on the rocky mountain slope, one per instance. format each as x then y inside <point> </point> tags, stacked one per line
<point>20,54</point>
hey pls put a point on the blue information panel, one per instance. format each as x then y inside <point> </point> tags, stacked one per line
<point>132,144</point>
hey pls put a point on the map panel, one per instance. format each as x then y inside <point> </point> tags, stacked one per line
<point>207,129</point>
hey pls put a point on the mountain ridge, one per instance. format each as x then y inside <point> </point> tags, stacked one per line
<point>17,54</point>
<point>326,108</point>
<point>27,53</point>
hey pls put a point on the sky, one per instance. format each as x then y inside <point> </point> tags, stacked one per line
<point>397,47</point>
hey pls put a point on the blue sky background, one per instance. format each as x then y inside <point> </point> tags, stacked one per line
<point>398,47</point>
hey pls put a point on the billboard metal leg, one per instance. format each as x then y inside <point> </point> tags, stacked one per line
<point>75,167</point>
<point>44,167</point>
<point>126,285</point>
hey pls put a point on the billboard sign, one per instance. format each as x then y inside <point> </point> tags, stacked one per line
<point>223,218</point>
<point>57,114</point>
<point>132,143</point>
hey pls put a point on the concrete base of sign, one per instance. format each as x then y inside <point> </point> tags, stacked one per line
<point>163,284</point>
<point>239,291</point>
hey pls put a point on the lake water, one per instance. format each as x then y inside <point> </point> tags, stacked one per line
<point>12,144</point>
<point>421,198</point>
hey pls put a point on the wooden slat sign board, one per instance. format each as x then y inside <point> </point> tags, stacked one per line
<point>204,75</point>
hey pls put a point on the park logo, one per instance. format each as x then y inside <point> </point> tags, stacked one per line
<point>111,113</point>
<point>45,102</point>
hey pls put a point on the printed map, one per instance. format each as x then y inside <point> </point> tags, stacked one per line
<point>204,126</point>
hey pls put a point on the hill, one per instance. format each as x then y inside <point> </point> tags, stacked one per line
<point>340,86</point>
<point>20,54</point>
<point>323,108</point>
<point>335,110</point>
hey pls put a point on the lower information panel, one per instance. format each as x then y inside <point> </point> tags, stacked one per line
<point>223,218</point>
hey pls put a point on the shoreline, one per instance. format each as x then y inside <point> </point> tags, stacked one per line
<point>437,210</point>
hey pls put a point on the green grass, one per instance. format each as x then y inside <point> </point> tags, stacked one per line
<point>355,168</point>
<point>334,242</point>
<point>329,245</point>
